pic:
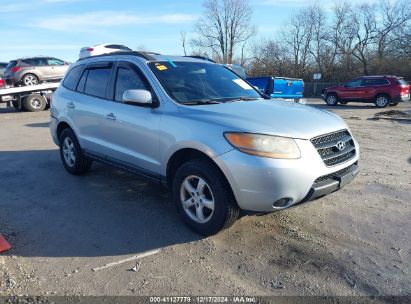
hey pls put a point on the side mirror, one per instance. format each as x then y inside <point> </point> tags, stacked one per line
<point>137,97</point>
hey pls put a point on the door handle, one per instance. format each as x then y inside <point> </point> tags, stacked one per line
<point>111,116</point>
<point>71,105</point>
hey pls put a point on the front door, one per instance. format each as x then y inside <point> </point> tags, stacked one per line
<point>352,90</point>
<point>132,131</point>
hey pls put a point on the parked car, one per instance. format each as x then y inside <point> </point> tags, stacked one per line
<point>3,66</point>
<point>381,90</point>
<point>32,71</point>
<point>102,49</point>
<point>279,87</point>
<point>197,127</point>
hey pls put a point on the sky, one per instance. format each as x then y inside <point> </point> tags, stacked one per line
<point>60,28</point>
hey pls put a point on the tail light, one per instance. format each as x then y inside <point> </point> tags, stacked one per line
<point>15,69</point>
<point>2,82</point>
<point>90,49</point>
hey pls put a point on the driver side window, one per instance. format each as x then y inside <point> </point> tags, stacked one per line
<point>128,79</point>
<point>353,83</point>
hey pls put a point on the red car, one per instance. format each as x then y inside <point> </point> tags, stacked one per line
<point>2,82</point>
<point>381,90</point>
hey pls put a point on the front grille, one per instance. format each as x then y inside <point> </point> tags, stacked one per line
<point>335,174</point>
<point>327,147</point>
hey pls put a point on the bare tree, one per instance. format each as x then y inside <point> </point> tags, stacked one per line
<point>183,36</point>
<point>224,27</point>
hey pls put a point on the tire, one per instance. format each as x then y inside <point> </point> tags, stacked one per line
<point>331,99</point>
<point>381,101</point>
<point>221,209</point>
<point>393,104</point>
<point>29,79</point>
<point>73,159</point>
<point>35,103</point>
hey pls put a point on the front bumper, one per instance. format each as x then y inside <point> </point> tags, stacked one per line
<point>258,182</point>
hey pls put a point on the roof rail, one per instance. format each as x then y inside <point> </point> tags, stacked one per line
<point>145,55</point>
<point>201,57</point>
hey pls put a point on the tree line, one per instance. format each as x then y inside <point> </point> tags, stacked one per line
<point>340,43</point>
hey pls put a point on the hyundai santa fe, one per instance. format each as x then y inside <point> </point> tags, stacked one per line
<point>200,129</point>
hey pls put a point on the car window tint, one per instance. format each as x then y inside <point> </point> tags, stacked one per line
<point>27,62</point>
<point>97,81</point>
<point>40,62</point>
<point>54,61</point>
<point>128,80</point>
<point>82,82</point>
<point>353,83</point>
<point>71,79</point>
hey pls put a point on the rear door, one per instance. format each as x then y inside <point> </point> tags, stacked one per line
<point>87,108</point>
<point>40,68</point>
<point>132,131</point>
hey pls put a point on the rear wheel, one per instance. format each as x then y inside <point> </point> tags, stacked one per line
<point>30,79</point>
<point>381,101</point>
<point>331,99</point>
<point>71,155</point>
<point>35,102</point>
<point>203,197</point>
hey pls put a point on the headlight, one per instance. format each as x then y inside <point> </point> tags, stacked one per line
<point>264,145</point>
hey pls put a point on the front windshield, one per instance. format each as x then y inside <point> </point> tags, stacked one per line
<point>189,82</point>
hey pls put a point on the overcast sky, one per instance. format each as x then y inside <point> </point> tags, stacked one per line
<point>60,28</point>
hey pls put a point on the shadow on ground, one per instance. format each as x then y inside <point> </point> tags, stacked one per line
<point>47,212</point>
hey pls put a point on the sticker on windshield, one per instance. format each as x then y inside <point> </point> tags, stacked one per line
<point>160,67</point>
<point>242,84</point>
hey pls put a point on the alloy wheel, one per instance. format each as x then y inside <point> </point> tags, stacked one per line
<point>69,152</point>
<point>197,199</point>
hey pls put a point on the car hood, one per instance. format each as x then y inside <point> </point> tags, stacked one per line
<point>273,117</point>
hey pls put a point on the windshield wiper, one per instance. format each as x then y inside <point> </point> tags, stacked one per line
<point>242,98</point>
<point>199,102</point>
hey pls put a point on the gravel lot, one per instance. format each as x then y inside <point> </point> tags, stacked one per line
<point>353,242</point>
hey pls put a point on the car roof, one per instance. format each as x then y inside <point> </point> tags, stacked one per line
<point>147,56</point>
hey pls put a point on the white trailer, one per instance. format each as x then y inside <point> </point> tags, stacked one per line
<point>31,98</point>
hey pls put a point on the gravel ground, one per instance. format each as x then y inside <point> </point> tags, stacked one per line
<point>353,242</point>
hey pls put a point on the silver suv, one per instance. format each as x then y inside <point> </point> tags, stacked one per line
<point>196,126</point>
<point>32,71</point>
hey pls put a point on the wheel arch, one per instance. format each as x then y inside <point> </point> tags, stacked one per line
<point>184,155</point>
<point>61,126</point>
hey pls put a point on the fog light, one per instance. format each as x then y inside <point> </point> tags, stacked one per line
<point>282,203</point>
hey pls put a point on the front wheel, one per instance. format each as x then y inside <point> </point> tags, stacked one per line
<point>331,99</point>
<point>74,161</point>
<point>203,197</point>
<point>382,101</point>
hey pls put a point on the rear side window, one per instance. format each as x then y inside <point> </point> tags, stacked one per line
<point>97,82</point>
<point>128,80</point>
<point>374,82</point>
<point>71,79</point>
